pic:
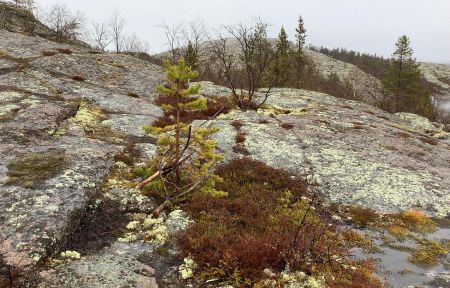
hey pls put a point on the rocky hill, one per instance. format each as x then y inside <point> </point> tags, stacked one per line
<point>71,124</point>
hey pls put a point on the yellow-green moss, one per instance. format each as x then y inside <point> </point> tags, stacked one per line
<point>429,252</point>
<point>32,169</point>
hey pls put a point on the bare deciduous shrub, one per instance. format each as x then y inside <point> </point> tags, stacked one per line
<point>117,25</point>
<point>100,36</point>
<point>65,24</point>
<point>246,70</point>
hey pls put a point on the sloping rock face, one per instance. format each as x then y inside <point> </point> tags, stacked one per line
<point>65,113</point>
<point>437,74</point>
<point>367,86</point>
<point>18,19</point>
<point>358,154</point>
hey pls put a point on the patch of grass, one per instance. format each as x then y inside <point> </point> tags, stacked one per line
<point>429,252</point>
<point>32,169</point>
<point>216,105</point>
<point>265,223</point>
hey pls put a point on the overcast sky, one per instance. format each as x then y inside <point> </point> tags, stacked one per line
<point>364,25</point>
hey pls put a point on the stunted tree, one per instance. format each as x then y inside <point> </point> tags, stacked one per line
<point>249,70</point>
<point>298,53</point>
<point>186,154</point>
<point>191,56</point>
<point>65,24</point>
<point>100,36</point>
<point>194,36</point>
<point>402,82</point>
<point>117,26</point>
<point>132,44</point>
<point>281,67</point>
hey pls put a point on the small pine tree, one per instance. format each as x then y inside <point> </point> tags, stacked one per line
<point>402,82</point>
<point>191,56</point>
<point>300,37</point>
<point>185,154</point>
<point>280,68</point>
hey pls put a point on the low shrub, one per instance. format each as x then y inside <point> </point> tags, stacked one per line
<point>237,124</point>
<point>64,50</point>
<point>429,140</point>
<point>429,252</point>
<point>48,53</point>
<point>287,126</point>
<point>240,137</point>
<point>132,94</point>
<point>78,78</point>
<point>268,221</point>
<point>362,216</point>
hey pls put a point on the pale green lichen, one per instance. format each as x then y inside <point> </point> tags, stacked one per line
<point>186,269</point>
<point>133,225</point>
<point>88,116</point>
<point>128,237</point>
<point>70,254</point>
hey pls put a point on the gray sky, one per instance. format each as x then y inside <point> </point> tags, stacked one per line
<point>363,25</point>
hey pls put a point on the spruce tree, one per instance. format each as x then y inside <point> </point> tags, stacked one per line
<point>186,154</point>
<point>280,70</point>
<point>299,58</point>
<point>402,82</point>
<point>191,56</point>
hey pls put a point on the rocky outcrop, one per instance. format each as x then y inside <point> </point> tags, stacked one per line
<point>357,153</point>
<point>65,114</point>
<point>15,18</point>
<point>438,75</point>
<point>70,118</point>
<point>368,87</point>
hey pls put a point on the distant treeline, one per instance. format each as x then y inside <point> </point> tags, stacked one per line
<point>372,64</point>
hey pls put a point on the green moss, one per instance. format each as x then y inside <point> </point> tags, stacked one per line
<point>32,169</point>
<point>429,252</point>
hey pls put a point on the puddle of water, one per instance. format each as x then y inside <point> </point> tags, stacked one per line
<point>392,262</point>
